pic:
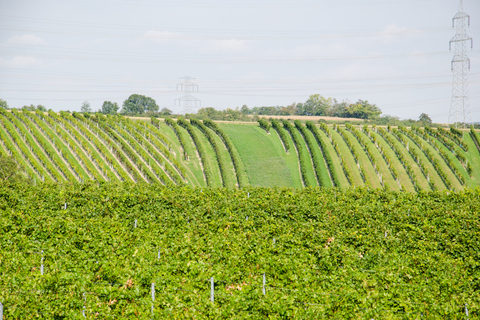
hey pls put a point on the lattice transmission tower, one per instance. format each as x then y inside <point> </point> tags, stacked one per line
<point>189,102</point>
<point>460,112</point>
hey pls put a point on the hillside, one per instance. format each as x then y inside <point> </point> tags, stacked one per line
<point>65,147</point>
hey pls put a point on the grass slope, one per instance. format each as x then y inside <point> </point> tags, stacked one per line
<point>263,156</point>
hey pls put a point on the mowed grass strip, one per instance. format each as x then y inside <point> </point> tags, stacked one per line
<point>348,157</point>
<point>403,176</point>
<point>230,176</point>
<point>337,167</point>
<point>422,182</point>
<point>365,162</point>
<point>263,156</point>
<point>432,173</point>
<point>325,180</point>
<point>193,167</point>
<point>456,185</point>
<point>210,159</point>
<point>382,166</point>
<point>473,157</point>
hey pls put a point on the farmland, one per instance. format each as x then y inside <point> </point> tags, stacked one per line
<point>177,218</point>
<point>95,250</point>
<point>66,147</point>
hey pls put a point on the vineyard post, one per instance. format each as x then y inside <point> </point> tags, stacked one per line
<point>41,265</point>
<point>1,311</point>
<point>263,288</point>
<point>153,296</point>
<point>212,290</point>
<point>466,310</point>
<point>135,224</point>
<point>84,304</point>
<point>158,257</point>
<point>274,242</point>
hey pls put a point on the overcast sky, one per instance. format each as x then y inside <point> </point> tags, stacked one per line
<point>393,53</point>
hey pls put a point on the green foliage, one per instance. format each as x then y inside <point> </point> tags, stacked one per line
<point>313,154</point>
<point>11,171</point>
<point>155,122</point>
<point>213,143</point>
<point>264,124</point>
<point>359,254</point>
<point>87,108</point>
<point>179,135</point>
<point>425,119</point>
<point>363,110</point>
<point>109,107</point>
<point>298,146</point>
<point>281,134</point>
<point>138,104</point>
<point>323,147</point>
<point>230,148</point>
<point>475,137</point>
<point>201,152</point>
<point>3,104</point>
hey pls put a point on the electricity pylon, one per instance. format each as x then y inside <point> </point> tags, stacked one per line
<point>189,101</point>
<point>460,106</point>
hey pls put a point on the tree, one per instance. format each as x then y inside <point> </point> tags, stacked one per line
<point>425,119</point>
<point>41,108</point>
<point>86,106</point>
<point>363,110</point>
<point>11,171</point>
<point>29,108</point>
<point>109,107</point>
<point>3,104</point>
<point>316,105</point>
<point>138,104</point>
<point>166,112</point>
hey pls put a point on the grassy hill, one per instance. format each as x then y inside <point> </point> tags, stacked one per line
<point>72,148</point>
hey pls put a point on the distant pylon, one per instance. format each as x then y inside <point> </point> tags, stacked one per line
<point>460,106</point>
<point>189,101</point>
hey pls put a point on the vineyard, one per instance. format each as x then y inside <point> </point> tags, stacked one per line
<point>146,251</point>
<point>74,147</point>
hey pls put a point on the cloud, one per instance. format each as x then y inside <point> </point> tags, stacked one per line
<point>161,37</point>
<point>26,40</point>
<point>21,62</point>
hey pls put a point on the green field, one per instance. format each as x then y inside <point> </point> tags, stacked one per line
<point>74,147</point>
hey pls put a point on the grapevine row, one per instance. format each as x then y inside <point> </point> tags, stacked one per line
<point>400,155</point>
<point>428,154</point>
<point>326,156</point>
<point>301,158</point>
<point>203,157</point>
<point>442,152</point>
<point>264,124</point>
<point>349,143</point>
<point>281,134</point>
<point>228,144</point>
<point>213,143</point>
<point>180,137</point>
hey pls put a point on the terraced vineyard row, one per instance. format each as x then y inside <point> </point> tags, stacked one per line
<point>73,148</point>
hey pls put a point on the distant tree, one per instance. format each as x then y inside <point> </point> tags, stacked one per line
<point>363,110</point>
<point>316,105</point>
<point>41,108</point>
<point>3,104</point>
<point>109,107</point>
<point>11,171</point>
<point>166,112</point>
<point>138,104</point>
<point>425,119</point>
<point>245,109</point>
<point>86,106</point>
<point>29,108</point>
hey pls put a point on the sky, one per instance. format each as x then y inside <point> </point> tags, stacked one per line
<point>392,53</point>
